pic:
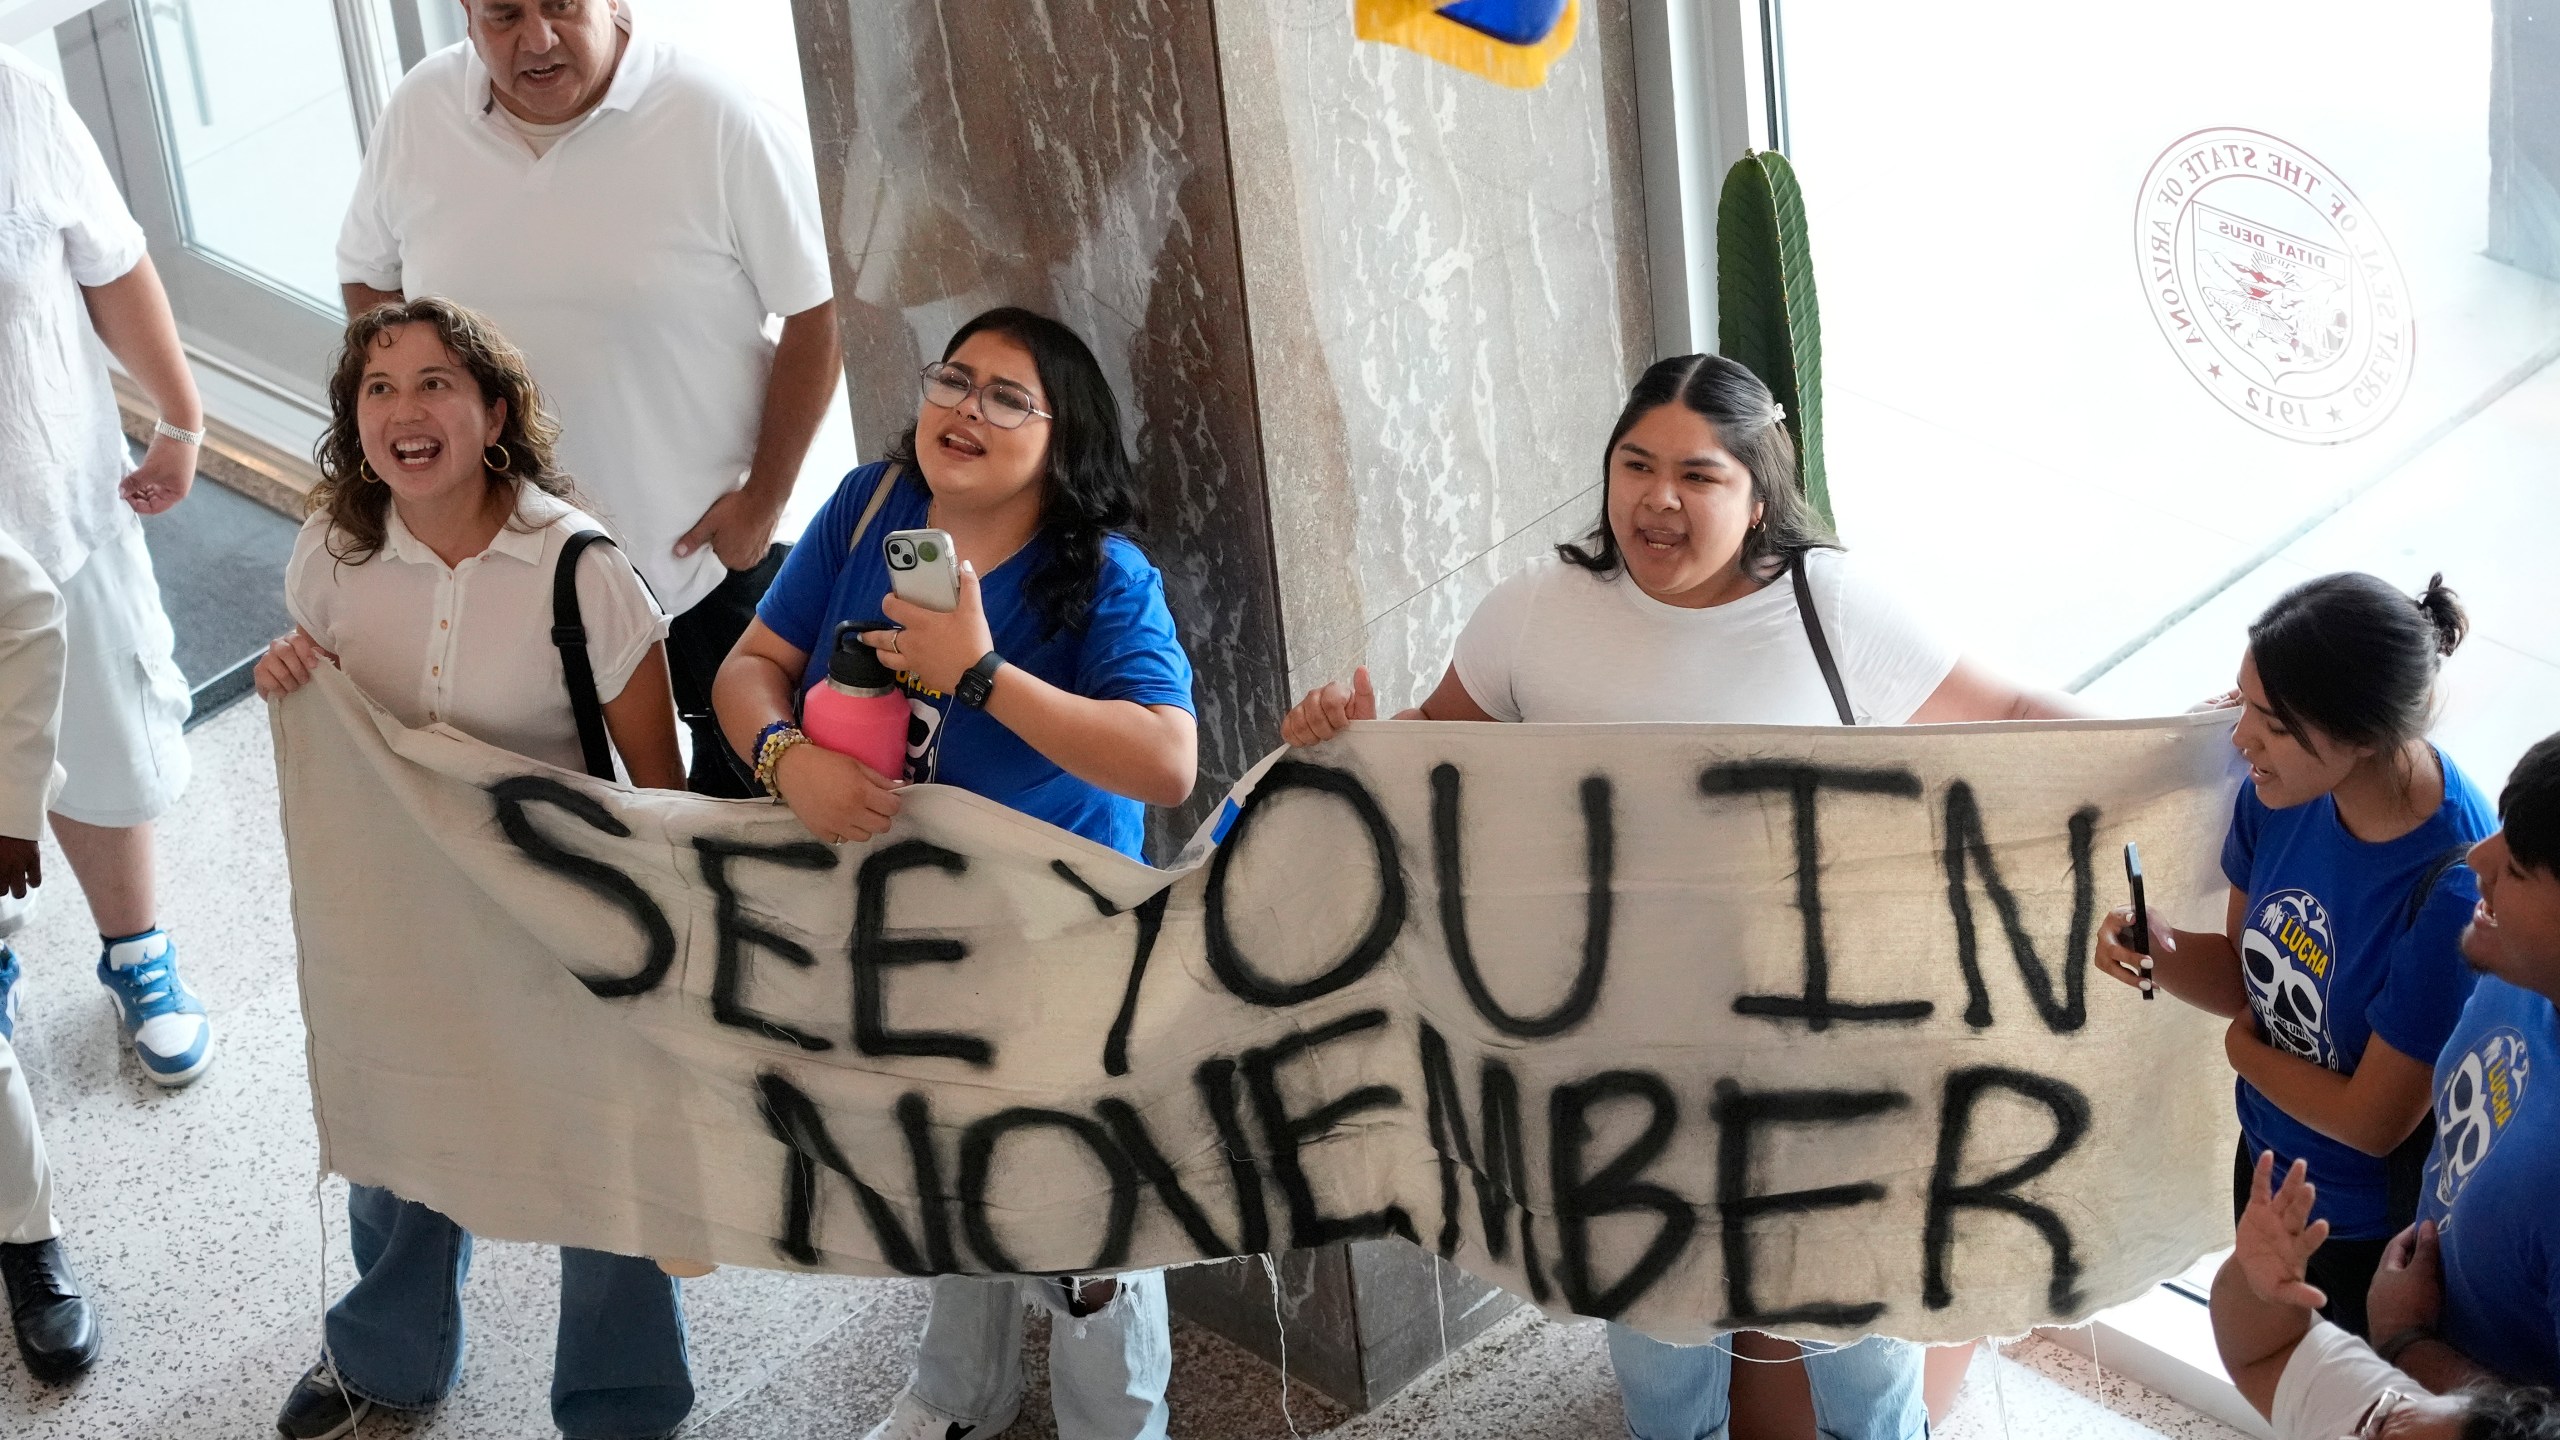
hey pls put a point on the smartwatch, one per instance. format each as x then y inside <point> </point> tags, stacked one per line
<point>978,682</point>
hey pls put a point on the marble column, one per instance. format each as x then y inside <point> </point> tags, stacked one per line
<point>1449,297</point>
<point>1448,294</point>
<point>1373,319</point>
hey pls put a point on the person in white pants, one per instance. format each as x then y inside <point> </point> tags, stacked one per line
<point>56,1331</point>
<point>76,285</point>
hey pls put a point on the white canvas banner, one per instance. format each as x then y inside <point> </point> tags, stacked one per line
<point>1695,1027</point>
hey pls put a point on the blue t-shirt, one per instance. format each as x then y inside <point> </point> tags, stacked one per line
<point>2331,961</point>
<point>1126,650</point>
<point>2491,1180</point>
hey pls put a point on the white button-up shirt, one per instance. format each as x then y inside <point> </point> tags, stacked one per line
<point>62,226</point>
<point>635,263</point>
<point>469,645</point>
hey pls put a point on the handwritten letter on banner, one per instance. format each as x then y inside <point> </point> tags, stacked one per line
<point>1694,1027</point>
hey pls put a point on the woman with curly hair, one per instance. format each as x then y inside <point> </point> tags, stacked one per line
<point>425,572</point>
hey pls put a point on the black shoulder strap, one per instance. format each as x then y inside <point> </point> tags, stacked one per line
<point>569,632</point>
<point>2421,892</point>
<point>1821,646</point>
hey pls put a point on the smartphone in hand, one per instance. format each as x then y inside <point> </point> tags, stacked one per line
<point>2137,936</point>
<point>923,569</point>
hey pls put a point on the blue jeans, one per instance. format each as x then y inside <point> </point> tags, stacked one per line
<point>619,1372</point>
<point>1107,1371</point>
<point>1866,1391</point>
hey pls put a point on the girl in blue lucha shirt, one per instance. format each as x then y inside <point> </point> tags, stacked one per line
<point>1056,687</point>
<point>2338,958</point>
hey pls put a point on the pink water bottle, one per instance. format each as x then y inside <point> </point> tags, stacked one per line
<point>858,709</point>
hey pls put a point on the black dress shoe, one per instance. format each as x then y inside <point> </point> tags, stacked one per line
<point>57,1331</point>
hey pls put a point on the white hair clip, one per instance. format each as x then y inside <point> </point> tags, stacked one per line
<point>1777,413</point>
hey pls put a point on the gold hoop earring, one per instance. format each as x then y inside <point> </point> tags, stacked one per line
<point>504,463</point>
<point>364,471</point>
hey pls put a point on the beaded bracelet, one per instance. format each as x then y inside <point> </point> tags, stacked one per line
<point>755,752</point>
<point>776,741</point>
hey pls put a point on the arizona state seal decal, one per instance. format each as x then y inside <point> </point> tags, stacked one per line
<point>2275,286</point>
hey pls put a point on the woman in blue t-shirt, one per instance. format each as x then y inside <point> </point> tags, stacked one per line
<point>2339,958</point>
<point>1057,687</point>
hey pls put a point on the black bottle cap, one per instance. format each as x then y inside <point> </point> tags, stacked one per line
<point>857,666</point>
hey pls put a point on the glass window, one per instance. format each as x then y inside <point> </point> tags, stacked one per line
<point>2118,299</point>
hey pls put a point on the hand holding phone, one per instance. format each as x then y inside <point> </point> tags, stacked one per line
<point>2136,937</point>
<point>924,571</point>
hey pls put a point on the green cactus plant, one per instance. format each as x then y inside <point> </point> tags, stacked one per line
<point>1766,314</point>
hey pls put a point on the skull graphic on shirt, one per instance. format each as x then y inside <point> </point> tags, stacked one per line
<point>2476,1104</point>
<point>2287,957</point>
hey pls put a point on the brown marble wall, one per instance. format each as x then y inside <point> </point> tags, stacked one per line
<point>1448,290</point>
<point>1070,156</point>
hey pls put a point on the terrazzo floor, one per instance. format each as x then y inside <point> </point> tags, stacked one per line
<point>209,1241</point>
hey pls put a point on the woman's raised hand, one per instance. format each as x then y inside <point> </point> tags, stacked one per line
<point>836,796</point>
<point>2121,961</point>
<point>1324,713</point>
<point>2277,1235</point>
<point>288,664</point>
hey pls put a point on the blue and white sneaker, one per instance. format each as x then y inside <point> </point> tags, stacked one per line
<point>162,1018</point>
<point>9,974</point>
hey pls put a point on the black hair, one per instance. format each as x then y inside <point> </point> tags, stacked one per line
<point>1727,395</point>
<point>2519,1413</point>
<point>2354,659</point>
<point>2529,808</point>
<point>1091,489</point>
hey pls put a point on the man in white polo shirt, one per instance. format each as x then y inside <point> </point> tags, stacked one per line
<point>630,219</point>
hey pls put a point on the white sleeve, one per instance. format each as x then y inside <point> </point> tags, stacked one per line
<point>770,186</point>
<point>310,582</point>
<point>100,238</point>
<point>1488,648</point>
<point>621,616</point>
<point>31,659</point>
<point>1891,661</point>
<point>368,246</point>
<point>2329,1384</point>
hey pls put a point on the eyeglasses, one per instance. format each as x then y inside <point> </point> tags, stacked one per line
<point>1005,405</point>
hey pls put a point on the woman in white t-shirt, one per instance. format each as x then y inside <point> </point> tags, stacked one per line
<point>1685,604</point>
<point>426,573</point>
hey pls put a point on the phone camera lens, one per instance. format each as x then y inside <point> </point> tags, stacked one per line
<point>902,555</point>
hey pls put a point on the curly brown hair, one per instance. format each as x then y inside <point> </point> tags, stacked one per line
<point>358,504</point>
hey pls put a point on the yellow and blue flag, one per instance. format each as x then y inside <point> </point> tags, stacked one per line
<point>1509,42</point>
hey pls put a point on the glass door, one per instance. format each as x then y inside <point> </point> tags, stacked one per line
<point>237,129</point>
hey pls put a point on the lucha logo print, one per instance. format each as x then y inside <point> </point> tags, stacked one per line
<point>2475,1107</point>
<point>2286,959</point>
